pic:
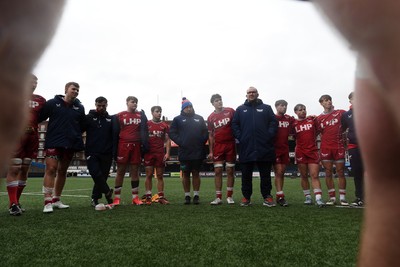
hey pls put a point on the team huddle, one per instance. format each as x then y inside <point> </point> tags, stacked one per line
<point>130,139</point>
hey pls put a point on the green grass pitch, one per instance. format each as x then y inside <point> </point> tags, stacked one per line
<point>177,234</point>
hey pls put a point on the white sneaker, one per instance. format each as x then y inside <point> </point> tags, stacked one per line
<point>216,201</point>
<point>331,202</point>
<point>230,200</point>
<point>60,205</point>
<point>319,203</point>
<point>48,208</point>
<point>308,201</point>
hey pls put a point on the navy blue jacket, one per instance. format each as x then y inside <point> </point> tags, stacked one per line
<point>66,123</point>
<point>99,133</point>
<point>255,126</point>
<point>348,123</point>
<point>189,132</point>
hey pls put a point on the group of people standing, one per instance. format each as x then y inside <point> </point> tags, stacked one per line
<point>130,139</point>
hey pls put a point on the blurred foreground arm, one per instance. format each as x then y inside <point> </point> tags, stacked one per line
<point>26,28</point>
<point>373,29</point>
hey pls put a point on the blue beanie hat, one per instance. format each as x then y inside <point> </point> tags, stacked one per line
<point>185,103</point>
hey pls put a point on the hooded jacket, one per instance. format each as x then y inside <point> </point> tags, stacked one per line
<point>255,126</point>
<point>189,132</point>
<point>66,123</point>
<point>99,133</point>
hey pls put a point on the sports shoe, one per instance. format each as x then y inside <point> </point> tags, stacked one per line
<point>148,200</point>
<point>308,201</point>
<point>21,208</point>
<point>187,200</point>
<point>343,202</point>
<point>109,196</point>
<point>136,201</point>
<point>15,210</point>
<point>60,205</point>
<point>230,200</point>
<point>331,202</point>
<point>155,198</point>
<point>358,202</point>
<point>94,202</point>
<point>282,202</point>
<point>269,202</point>
<point>48,208</point>
<point>245,202</point>
<point>117,201</point>
<point>196,200</point>
<point>163,201</point>
<point>216,201</point>
<point>319,203</point>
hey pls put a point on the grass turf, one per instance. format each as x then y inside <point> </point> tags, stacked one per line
<point>177,234</point>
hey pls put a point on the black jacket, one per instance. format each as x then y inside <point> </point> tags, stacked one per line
<point>190,133</point>
<point>99,133</point>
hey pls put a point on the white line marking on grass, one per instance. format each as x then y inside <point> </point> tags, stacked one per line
<point>41,194</point>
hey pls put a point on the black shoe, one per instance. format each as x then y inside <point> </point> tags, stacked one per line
<point>358,202</point>
<point>196,200</point>
<point>109,196</point>
<point>15,210</point>
<point>21,208</point>
<point>94,202</point>
<point>282,202</point>
<point>187,200</point>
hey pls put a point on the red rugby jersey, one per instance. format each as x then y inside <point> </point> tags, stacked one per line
<point>329,125</point>
<point>220,124</point>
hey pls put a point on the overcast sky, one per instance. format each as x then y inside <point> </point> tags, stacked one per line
<point>160,51</point>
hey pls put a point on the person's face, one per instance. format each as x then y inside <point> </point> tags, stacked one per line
<point>72,92</point>
<point>251,94</point>
<point>156,114</point>
<point>132,105</point>
<point>351,101</point>
<point>301,113</point>
<point>218,104</point>
<point>34,83</point>
<point>281,109</point>
<point>326,103</point>
<point>188,109</point>
<point>101,107</point>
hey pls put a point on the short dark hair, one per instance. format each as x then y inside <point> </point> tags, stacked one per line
<point>281,102</point>
<point>351,95</point>
<point>299,106</point>
<point>129,98</point>
<point>153,108</point>
<point>67,85</point>
<point>101,99</point>
<point>325,97</point>
<point>214,97</point>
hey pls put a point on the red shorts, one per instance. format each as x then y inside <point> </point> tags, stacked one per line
<point>224,152</point>
<point>309,157</point>
<point>154,160</point>
<point>332,154</point>
<point>60,153</point>
<point>129,153</point>
<point>282,158</point>
<point>28,147</point>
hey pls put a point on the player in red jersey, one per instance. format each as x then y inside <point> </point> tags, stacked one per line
<point>281,144</point>
<point>222,147</point>
<point>307,155</point>
<point>332,149</point>
<point>131,132</point>
<point>155,158</point>
<point>17,174</point>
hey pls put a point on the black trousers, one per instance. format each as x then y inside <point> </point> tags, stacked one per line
<point>358,171</point>
<point>99,168</point>
<point>264,167</point>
